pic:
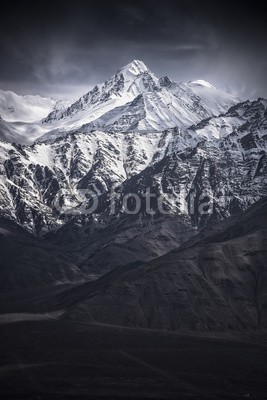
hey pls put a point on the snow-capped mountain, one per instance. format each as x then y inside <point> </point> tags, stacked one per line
<point>134,99</point>
<point>24,108</point>
<point>21,116</point>
<point>32,178</point>
<point>131,133</point>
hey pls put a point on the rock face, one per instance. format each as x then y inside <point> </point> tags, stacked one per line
<point>127,240</point>
<point>219,283</point>
<point>29,262</point>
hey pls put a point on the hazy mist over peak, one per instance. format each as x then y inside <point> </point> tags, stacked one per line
<point>63,49</point>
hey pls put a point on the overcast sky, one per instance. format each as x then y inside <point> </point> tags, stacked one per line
<point>64,48</point>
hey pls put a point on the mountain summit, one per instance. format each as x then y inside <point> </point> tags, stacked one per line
<point>136,67</point>
<point>135,99</point>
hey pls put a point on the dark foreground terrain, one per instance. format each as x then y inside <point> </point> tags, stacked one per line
<point>53,359</point>
<point>62,337</point>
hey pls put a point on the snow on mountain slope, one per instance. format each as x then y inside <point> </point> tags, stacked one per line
<point>20,116</point>
<point>21,132</point>
<point>135,99</point>
<point>121,88</point>
<point>31,176</point>
<point>248,116</point>
<point>213,99</point>
<point>34,179</point>
<point>201,83</point>
<point>24,108</point>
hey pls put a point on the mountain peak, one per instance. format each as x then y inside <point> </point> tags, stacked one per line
<point>166,104</point>
<point>202,82</point>
<point>135,67</point>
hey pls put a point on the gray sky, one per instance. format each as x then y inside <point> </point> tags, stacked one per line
<point>63,49</point>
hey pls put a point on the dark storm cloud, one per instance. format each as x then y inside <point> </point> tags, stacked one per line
<point>66,47</point>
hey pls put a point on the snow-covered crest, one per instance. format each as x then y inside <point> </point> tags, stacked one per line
<point>116,105</point>
<point>133,99</point>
